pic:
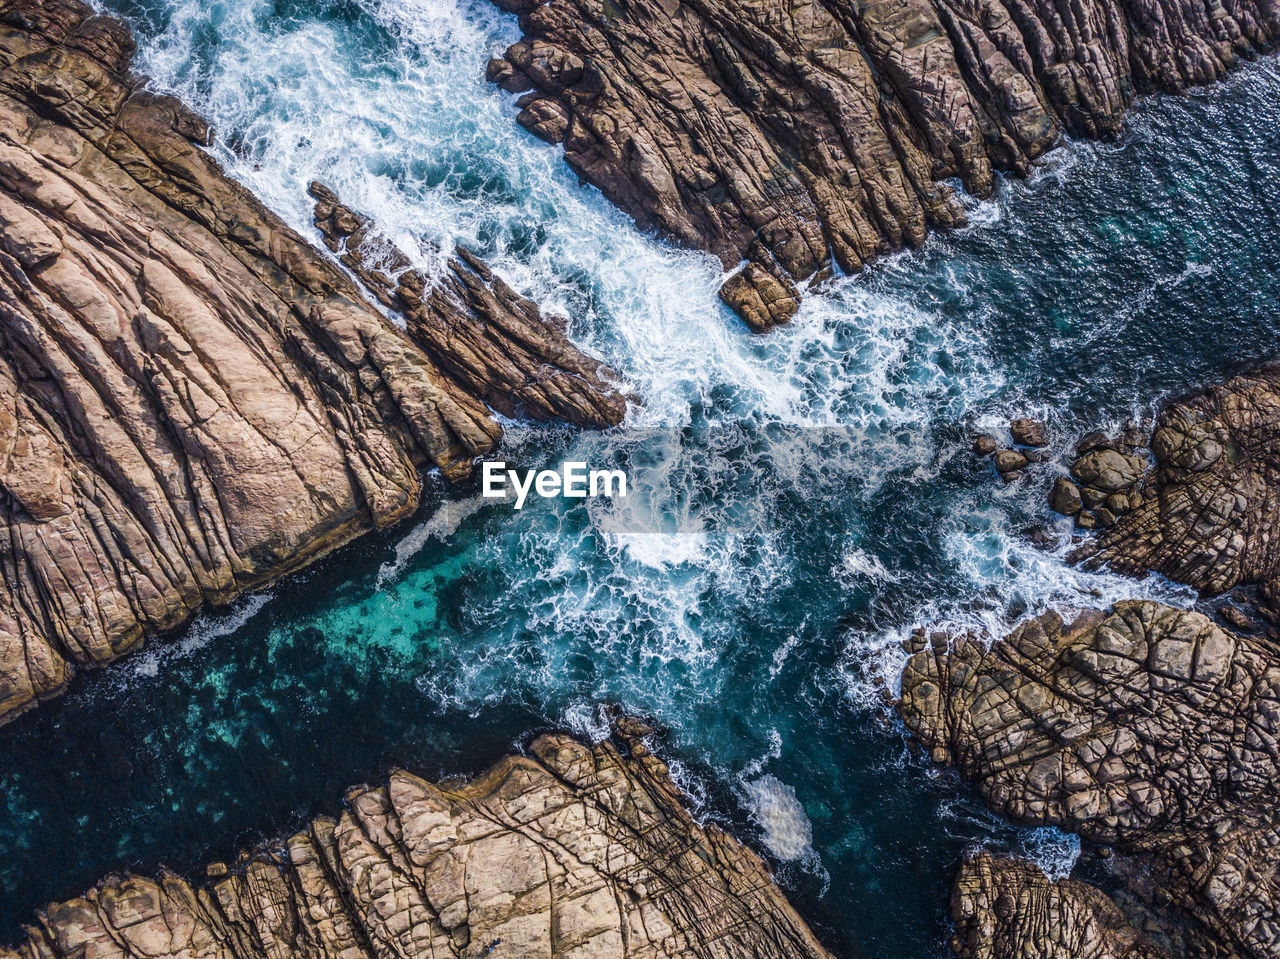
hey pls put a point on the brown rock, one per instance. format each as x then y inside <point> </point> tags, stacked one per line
<point>1210,513</point>
<point>1108,471</point>
<point>1149,729</point>
<point>1009,461</point>
<point>1008,909</point>
<point>193,400</point>
<point>1064,498</point>
<point>574,852</point>
<point>1028,432</point>
<point>493,343</point>
<point>985,445</point>
<point>799,133</point>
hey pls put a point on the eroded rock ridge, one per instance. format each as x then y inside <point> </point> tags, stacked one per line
<point>1150,730</point>
<point>797,134</point>
<point>193,400</point>
<point>574,852</point>
<point>492,341</point>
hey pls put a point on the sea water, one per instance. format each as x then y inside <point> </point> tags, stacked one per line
<point>800,500</point>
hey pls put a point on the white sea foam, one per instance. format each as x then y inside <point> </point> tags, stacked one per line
<point>1054,851</point>
<point>859,563</point>
<point>204,629</point>
<point>786,830</point>
<point>443,523</point>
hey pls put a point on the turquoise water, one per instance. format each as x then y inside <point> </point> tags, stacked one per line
<point>805,497</point>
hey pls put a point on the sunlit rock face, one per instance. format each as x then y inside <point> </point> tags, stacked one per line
<point>193,400</point>
<point>1149,728</point>
<point>574,851</point>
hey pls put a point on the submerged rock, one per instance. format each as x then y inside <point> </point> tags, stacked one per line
<point>793,134</point>
<point>193,400</point>
<point>571,853</point>
<point>1149,729</point>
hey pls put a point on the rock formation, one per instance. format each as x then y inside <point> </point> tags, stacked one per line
<point>797,133</point>
<point>1149,729</point>
<point>193,400</point>
<point>490,340</point>
<point>1029,437</point>
<point>1008,909</point>
<point>571,853</point>
<point>1208,513</point>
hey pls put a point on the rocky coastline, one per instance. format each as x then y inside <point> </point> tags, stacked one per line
<point>570,852</point>
<point>1151,732</point>
<point>790,139</point>
<point>194,401</point>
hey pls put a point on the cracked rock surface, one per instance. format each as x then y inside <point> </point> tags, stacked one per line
<point>794,134</point>
<point>493,342</point>
<point>193,400</point>
<point>1209,511</point>
<point>1149,729</point>
<point>1008,909</point>
<point>574,852</point>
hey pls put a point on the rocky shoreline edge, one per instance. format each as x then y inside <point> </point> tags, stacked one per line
<point>570,852</point>
<point>793,138</point>
<point>194,400</point>
<point>1151,732</point>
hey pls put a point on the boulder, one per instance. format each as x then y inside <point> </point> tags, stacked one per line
<point>1064,498</point>
<point>1028,432</point>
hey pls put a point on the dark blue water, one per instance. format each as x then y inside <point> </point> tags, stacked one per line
<point>804,498</point>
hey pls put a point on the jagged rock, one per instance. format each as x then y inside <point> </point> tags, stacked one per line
<point>1108,471</point>
<point>574,852</point>
<point>1210,514</point>
<point>193,400</point>
<point>1028,432</point>
<point>792,133</point>
<point>1008,909</point>
<point>1149,729</point>
<point>493,342</point>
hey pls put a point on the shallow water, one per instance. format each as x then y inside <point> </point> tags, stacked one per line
<point>805,497</point>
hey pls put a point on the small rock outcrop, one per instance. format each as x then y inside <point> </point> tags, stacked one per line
<point>1209,511</point>
<point>1148,729</point>
<point>791,136</point>
<point>1106,480</point>
<point>193,400</point>
<point>493,342</point>
<point>1029,437</point>
<point>1008,909</point>
<point>575,852</point>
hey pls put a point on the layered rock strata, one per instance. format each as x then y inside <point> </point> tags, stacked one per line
<point>571,852</point>
<point>1008,909</point>
<point>1149,729</point>
<point>493,342</point>
<point>793,135</point>
<point>193,400</point>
